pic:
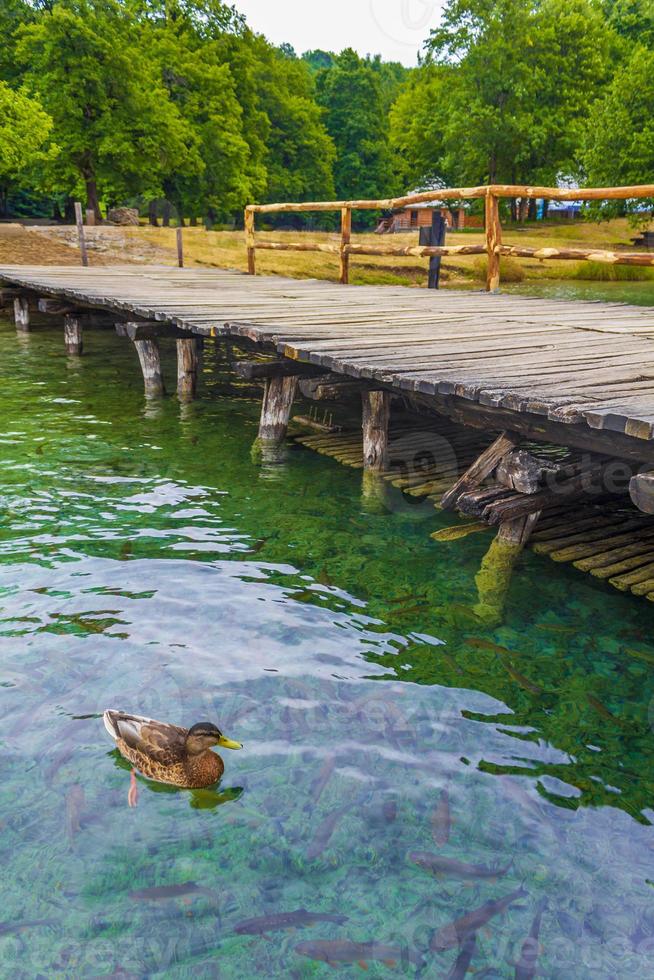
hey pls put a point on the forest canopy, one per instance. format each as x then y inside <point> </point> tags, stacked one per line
<point>118,102</point>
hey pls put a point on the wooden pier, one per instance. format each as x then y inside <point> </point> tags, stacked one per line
<point>517,373</point>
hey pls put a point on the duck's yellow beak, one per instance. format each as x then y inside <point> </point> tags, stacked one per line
<point>227,743</point>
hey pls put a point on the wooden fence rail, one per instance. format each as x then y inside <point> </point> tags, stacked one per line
<point>494,247</point>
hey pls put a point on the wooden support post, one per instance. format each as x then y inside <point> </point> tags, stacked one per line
<point>518,531</point>
<point>346,236</point>
<point>150,358</point>
<point>90,217</point>
<point>188,368</point>
<point>22,313</point>
<point>180,248</point>
<point>493,241</point>
<point>480,469</point>
<point>73,335</point>
<point>80,233</point>
<point>434,236</point>
<point>250,241</point>
<point>641,491</point>
<point>376,411</point>
<point>276,409</point>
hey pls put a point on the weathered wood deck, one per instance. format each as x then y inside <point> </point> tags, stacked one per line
<point>573,374</point>
<point>587,365</point>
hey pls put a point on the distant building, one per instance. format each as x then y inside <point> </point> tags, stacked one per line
<point>419,216</point>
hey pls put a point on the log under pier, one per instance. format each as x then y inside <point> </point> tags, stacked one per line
<point>532,416</point>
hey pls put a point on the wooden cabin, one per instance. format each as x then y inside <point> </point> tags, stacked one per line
<point>419,216</point>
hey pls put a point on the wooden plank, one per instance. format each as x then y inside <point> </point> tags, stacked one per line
<point>480,469</point>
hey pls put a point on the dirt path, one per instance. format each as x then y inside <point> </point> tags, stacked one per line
<point>57,245</point>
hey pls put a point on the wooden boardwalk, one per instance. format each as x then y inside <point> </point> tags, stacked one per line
<point>535,397</point>
<point>589,366</point>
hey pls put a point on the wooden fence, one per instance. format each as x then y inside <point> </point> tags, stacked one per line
<point>494,247</point>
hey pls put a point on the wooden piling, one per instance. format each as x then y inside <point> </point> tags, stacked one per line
<point>276,409</point>
<point>188,368</point>
<point>150,360</point>
<point>180,247</point>
<point>376,410</point>
<point>80,233</point>
<point>22,313</point>
<point>73,335</point>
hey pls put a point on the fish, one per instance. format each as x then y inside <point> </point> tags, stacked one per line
<point>441,820</point>
<point>454,933</point>
<point>343,951</point>
<point>520,679</point>
<point>324,832</point>
<point>389,811</point>
<point>438,864</point>
<point>7,928</point>
<point>556,628</point>
<point>525,968</point>
<point>162,892</point>
<point>481,644</point>
<point>285,920</point>
<point>75,801</point>
<point>648,658</point>
<point>323,777</point>
<point>600,708</point>
<point>462,962</point>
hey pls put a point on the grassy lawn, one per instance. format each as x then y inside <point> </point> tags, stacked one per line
<point>225,249</point>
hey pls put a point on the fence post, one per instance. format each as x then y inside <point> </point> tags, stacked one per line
<point>346,236</point>
<point>434,236</point>
<point>80,233</point>
<point>180,248</point>
<point>493,240</point>
<point>249,241</point>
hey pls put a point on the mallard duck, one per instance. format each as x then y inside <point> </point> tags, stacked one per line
<point>167,753</point>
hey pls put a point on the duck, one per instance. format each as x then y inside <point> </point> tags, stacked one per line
<point>167,753</point>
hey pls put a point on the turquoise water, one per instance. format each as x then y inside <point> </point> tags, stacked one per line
<point>639,293</point>
<point>146,563</point>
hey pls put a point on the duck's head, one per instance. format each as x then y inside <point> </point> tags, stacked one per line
<point>204,736</point>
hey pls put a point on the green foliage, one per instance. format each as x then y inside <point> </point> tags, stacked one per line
<point>113,122</point>
<point>351,94</point>
<point>24,134</point>
<point>505,92</point>
<point>619,144</point>
<point>180,99</point>
<point>633,19</point>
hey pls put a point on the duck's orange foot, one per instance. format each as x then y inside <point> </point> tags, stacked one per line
<point>133,793</point>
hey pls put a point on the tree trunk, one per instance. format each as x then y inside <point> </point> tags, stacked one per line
<point>193,222</point>
<point>533,209</point>
<point>152,214</point>
<point>92,202</point>
<point>165,221</point>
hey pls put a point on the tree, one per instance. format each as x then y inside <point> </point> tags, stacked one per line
<point>418,123</point>
<point>117,130</point>
<point>633,19</point>
<point>24,138</point>
<point>619,138</point>
<point>351,94</point>
<point>522,77</point>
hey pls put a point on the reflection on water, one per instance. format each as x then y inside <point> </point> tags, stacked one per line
<point>408,771</point>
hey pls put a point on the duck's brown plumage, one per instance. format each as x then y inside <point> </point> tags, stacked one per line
<point>158,750</point>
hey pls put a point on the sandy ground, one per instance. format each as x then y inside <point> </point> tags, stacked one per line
<point>58,245</point>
